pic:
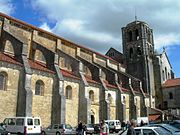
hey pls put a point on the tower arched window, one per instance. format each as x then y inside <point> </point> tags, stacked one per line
<point>109,98</point>
<point>137,34</point>
<point>131,53</point>
<point>170,95</point>
<point>39,88</point>
<point>3,80</point>
<point>91,95</point>
<point>139,50</point>
<point>130,36</point>
<point>68,92</point>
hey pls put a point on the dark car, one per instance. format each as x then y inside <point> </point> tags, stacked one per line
<point>175,123</point>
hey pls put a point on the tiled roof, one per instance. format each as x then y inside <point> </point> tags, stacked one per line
<point>154,117</point>
<point>124,89</point>
<point>172,83</point>
<point>90,80</point>
<point>39,66</point>
<point>109,85</point>
<point>69,74</point>
<point>9,59</point>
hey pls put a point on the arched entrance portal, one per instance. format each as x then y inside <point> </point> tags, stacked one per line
<point>92,117</point>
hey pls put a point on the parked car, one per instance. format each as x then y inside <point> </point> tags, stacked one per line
<point>89,128</point>
<point>22,125</point>
<point>3,131</point>
<point>169,128</point>
<point>175,123</point>
<point>151,131</point>
<point>114,125</point>
<point>59,129</point>
<point>96,128</point>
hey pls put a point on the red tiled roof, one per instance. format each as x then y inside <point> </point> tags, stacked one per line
<point>9,59</point>
<point>90,80</point>
<point>124,89</point>
<point>39,66</point>
<point>69,74</point>
<point>154,117</point>
<point>109,85</point>
<point>172,83</point>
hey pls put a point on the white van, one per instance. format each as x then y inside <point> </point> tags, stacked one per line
<point>114,125</point>
<point>23,125</point>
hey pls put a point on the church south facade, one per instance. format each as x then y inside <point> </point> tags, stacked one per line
<point>42,74</point>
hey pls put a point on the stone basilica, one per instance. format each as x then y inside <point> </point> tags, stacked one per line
<point>42,74</point>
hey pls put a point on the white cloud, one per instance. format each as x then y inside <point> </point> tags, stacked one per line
<point>6,6</point>
<point>45,27</point>
<point>166,40</point>
<point>98,23</point>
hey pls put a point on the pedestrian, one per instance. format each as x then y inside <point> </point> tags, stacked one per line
<point>80,128</point>
<point>104,128</point>
<point>131,130</point>
<point>123,125</point>
<point>142,123</point>
<point>84,129</point>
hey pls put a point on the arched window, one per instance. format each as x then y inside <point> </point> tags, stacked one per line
<point>109,98</point>
<point>137,34</point>
<point>166,73</point>
<point>8,48</point>
<point>39,56</point>
<point>170,95</point>
<point>124,100</point>
<point>91,95</point>
<point>3,80</point>
<point>103,75</point>
<point>65,63</point>
<point>39,88</point>
<point>163,74</point>
<point>130,36</point>
<point>131,53</point>
<point>68,92</point>
<point>87,71</point>
<point>139,50</point>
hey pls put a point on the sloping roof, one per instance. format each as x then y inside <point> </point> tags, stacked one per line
<point>9,59</point>
<point>172,83</point>
<point>109,85</point>
<point>39,66</point>
<point>69,74</point>
<point>90,80</point>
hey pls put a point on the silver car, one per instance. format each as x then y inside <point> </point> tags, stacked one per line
<point>59,129</point>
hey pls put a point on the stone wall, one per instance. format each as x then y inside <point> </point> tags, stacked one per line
<point>8,97</point>
<point>72,104</point>
<point>42,105</point>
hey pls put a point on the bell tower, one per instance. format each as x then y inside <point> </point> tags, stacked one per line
<point>138,49</point>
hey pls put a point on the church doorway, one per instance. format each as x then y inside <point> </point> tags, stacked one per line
<point>92,119</point>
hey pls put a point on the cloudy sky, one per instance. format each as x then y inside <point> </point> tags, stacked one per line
<point>97,24</point>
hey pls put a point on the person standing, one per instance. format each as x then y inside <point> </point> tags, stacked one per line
<point>80,128</point>
<point>104,128</point>
<point>131,130</point>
